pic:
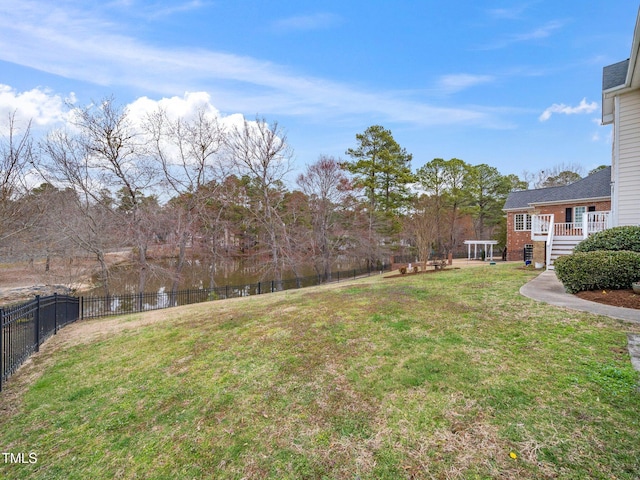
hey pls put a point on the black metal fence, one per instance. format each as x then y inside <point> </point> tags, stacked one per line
<point>93,307</point>
<point>24,327</point>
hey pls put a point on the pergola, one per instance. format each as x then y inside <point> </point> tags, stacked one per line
<point>488,248</point>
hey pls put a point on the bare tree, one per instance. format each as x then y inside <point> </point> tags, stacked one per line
<point>326,186</point>
<point>422,225</point>
<point>106,153</point>
<point>91,223</point>
<point>16,155</point>
<point>118,155</point>
<point>561,174</point>
<point>260,151</point>
<point>187,151</point>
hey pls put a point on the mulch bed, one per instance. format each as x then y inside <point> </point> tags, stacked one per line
<point>617,298</point>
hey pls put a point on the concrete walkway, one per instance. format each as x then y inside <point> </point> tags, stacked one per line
<point>547,288</point>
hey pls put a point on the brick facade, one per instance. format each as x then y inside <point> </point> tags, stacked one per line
<point>516,240</point>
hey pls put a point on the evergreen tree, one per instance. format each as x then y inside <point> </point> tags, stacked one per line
<point>382,168</point>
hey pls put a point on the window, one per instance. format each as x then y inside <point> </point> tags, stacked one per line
<point>578,212</point>
<point>528,252</point>
<point>522,222</point>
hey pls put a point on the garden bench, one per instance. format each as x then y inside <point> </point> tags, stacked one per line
<point>437,264</point>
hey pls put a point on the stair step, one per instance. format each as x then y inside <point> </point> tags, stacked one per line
<point>561,247</point>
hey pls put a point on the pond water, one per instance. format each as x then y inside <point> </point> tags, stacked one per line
<point>196,275</point>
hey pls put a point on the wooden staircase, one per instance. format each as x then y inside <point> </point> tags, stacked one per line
<point>562,238</point>
<point>562,246</point>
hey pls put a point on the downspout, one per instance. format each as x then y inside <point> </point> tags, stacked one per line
<point>615,164</point>
<point>549,241</point>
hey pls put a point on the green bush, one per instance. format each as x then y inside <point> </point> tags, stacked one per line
<point>598,270</point>
<point>617,238</point>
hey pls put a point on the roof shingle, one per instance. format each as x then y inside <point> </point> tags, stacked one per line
<point>597,185</point>
<point>614,75</point>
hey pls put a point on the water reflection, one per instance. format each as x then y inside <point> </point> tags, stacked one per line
<point>195,275</point>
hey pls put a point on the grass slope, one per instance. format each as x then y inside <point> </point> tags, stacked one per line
<point>449,375</point>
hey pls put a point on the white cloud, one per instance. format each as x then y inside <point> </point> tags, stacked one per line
<point>175,107</point>
<point>538,33</point>
<point>76,45</point>
<point>185,107</point>
<point>457,82</point>
<point>316,21</point>
<point>583,107</point>
<point>39,106</point>
<point>178,8</point>
<point>507,13</point>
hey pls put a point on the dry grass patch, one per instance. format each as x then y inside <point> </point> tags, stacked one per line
<point>428,376</point>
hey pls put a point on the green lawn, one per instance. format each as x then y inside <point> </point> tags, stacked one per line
<point>447,375</point>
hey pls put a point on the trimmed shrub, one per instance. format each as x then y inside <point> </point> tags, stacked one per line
<point>403,270</point>
<point>598,270</point>
<point>613,239</point>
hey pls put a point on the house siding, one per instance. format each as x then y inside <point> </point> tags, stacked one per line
<point>628,168</point>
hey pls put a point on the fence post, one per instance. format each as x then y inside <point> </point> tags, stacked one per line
<point>259,288</point>
<point>272,286</point>
<point>55,313</point>
<point>354,273</point>
<point>1,347</point>
<point>37,335</point>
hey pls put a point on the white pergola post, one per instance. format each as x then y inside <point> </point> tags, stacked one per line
<point>488,248</point>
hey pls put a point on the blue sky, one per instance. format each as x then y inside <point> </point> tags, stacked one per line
<point>516,85</point>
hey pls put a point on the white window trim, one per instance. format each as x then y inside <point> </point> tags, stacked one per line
<point>526,222</point>
<point>575,213</point>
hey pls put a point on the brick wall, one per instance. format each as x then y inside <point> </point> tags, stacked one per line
<point>559,210</point>
<point>517,240</point>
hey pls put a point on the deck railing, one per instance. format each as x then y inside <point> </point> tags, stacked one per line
<point>544,228</point>
<point>540,224</point>
<point>568,229</point>
<point>597,222</point>
<point>592,222</point>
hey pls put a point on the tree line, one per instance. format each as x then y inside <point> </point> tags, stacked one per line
<point>198,188</point>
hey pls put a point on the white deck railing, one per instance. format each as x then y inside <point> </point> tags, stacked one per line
<point>597,222</point>
<point>568,229</point>
<point>550,230</point>
<point>543,228</point>
<point>540,224</point>
<point>592,222</point>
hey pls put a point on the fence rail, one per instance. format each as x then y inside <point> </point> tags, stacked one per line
<point>24,327</point>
